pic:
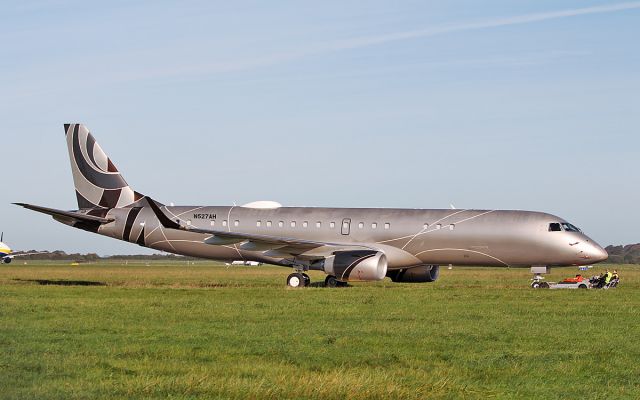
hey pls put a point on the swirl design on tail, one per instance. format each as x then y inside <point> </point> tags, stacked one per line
<point>97,180</point>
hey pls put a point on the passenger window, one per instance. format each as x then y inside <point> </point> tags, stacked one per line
<point>258,223</point>
<point>318,224</point>
<point>236,223</point>
<point>452,227</point>
<point>268,224</point>
<point>281,224</point>
<point>224,223</point>
<point>305,224</point>
<point>332,225</point>
<point>374,225</point>
<point>213,223</point>
<point>361,225</point>
<point>438,226</point>
<point>554,227</point>
<point>387,225</point>
<point>188,222</point>
<point>425,227</point>
<point>293,224</point>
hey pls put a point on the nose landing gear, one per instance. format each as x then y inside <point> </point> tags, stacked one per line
<point>538,280</point>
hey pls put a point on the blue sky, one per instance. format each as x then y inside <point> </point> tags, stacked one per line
<point>497,104</point>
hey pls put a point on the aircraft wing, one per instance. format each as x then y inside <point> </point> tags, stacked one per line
<point>272,246</point>
<point>12,255</point>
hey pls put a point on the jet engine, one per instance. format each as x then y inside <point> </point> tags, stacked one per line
<point>420,274</point>
<point>356,265</point>
<point>7,260</point>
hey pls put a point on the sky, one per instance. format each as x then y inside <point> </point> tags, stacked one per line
<point>530,105</point>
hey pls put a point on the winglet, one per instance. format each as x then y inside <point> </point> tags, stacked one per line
<point>162,217</point>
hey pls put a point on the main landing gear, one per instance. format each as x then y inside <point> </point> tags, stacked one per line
<point>331,281</point>
<point>298,279</point>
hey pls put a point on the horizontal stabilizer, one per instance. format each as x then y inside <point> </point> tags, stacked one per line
<point>67,215</point>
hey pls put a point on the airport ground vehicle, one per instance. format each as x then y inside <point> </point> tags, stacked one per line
<point>585,284</point>
<point>591,283</point>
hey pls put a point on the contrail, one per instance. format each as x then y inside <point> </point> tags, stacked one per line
<point>492,23</point>
<point>355,43</point>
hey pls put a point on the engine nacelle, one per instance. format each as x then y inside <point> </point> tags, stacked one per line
<point>356,265</point>
<point>420,274</point>
<point>7,260</point>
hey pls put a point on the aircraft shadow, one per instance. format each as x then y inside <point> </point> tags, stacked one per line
<point>62,282</point>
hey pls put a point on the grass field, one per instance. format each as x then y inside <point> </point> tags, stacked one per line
<point>205,331</point>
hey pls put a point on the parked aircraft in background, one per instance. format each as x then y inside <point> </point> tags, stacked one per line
<point>5,251</point>
<point>348,244</point>
<point>245,263</point>
<point>6,254</point>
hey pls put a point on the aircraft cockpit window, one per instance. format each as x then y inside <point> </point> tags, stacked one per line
<point>555,227</point>
<point>569,227</point>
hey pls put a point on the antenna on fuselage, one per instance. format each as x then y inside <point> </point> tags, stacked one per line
<point>1,236</point>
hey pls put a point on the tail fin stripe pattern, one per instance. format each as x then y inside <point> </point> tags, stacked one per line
<point>92,172</point>
<point>97,180</point>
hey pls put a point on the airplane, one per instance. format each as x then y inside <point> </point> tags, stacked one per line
<point>5,251</point>
<point>6,254</point>
<point>347,244</point>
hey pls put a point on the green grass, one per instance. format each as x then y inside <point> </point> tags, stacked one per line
<point>206,331</point>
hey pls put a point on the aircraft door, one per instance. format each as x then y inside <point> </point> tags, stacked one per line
<point>346,226</point>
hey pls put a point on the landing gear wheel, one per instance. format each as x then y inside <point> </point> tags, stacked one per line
<point>307,279</point>
<point>296,280</point>
<point>331,281</point>
<point>535,285</point>
<point>544,285</point>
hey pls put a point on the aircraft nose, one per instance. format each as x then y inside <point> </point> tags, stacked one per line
<point>593,252</point>
<point>598,254</point>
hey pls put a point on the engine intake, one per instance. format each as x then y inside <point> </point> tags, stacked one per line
<point>356,265</point>
<point>420,274</point>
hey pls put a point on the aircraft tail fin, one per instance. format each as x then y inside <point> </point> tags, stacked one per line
<point>98,182</point>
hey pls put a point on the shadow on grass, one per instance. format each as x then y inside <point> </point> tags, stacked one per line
<point>62,282</point>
